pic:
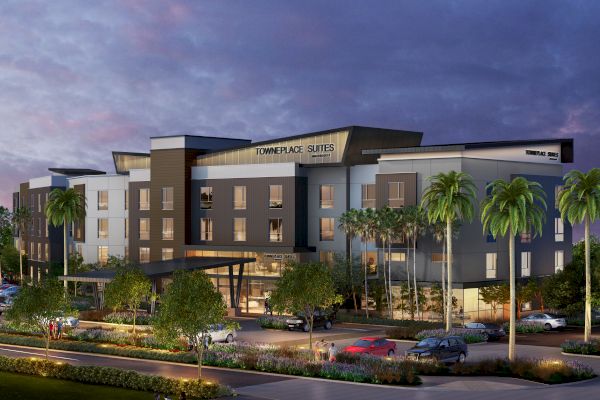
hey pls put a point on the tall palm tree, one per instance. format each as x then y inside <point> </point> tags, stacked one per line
<point>438,231</point>
<point>65,207</point>
<point>348,223</point>
<point>21,219</point>
<point>415,225</point>
<point>386,223</point>
<point>404,231</point>
<point>513,207</point>
<point>449,197</point>
<point>579,201</point>
<point>366,230</point>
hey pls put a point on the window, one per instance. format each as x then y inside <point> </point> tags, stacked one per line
<point>275,196</point>
<point>167,198</point>
<point>559,260</point>
<point>126,199</point>
<point>144,233</point>
<point>525,263</point>
<point>31,252</point>
<point>167,228</point>
<point>39,251</point>
<point>239,197</point>
<point>239,229</point>
<point>126,228</point>
<point>39,204</point>
<point>371,260</point>
<point>326,229</point>
<point>557,190</point>
<point>102,228</point>
<point>526,236</point>
<point>491,260</point>
<point>206,197</point>
<point>206,229</point>
<point>368,195</point>
<point>144,255</point>
<point>326,257</point>
<point>438,257</point>
<point>79,248</point>
<point>102,199</point>
<point>326,196</point>
<point>167,254</point>
<point>102,255</point>
<point>46,252</point>
<point>39,227</point>
<point>396,194</point>
<point>46,223</point>
<point>126,252</point>
<point>559,230</point>
<point>396,256</point>
<point>144,199</point>
<point>275,230</point>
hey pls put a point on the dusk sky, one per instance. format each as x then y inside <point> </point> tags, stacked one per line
<point>79,79</point>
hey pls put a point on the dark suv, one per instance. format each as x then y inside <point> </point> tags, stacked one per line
<point>321,319</point>
<point>450,349</point>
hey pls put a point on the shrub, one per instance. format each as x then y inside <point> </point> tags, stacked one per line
<point>127,318</point>
<point>581,347</point>
<point>194,389</point>
<point>525,327</point>
<point>359,319</point>
<point>403,332</point>
<point>467,334</point>
<point>272,322</point>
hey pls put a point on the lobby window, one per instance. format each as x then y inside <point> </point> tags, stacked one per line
<point>206,229</point>
<point>371,259</point>
<point>102,199</point>
<point>102,255</point>
<point>491,260</point>
<point>396,194</point>
<point>126,228</point>
<point>396,256</point>
<point>167,228</point>
<point>206,197</point>
<point>239,197</point>
<point>559,260</point>
<point>167,198</point>
<point>144,199</point>
<point>239,229</point>
<point>144,255</point>
<point>275,230</point>
<point>326,196</point>
<point>326,229</point>
<point>275,196</point>
<point>526,236</point>
<point>102,228</point>
<point>525,263</point>
<point>167,254</point>
<point>557,190</point>
<point>559,230</point>
<point>438,257</point>
<point>368,195</point>
<point>144,229</point>
<point>126,200</point>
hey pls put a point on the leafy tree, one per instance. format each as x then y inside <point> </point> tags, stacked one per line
<point>6,227</point>
<point>415,223</point>
<point>127,289</point>
<point>579,202</point>
<point>190,306</point>
<point>305,288</point>
<point>511,208</point>
<point>9,259</point>
<point>524,294</point>
<point>21,218</point>
<point>348,223</point>
<point>63,208</point>
<point>347,284</point>
<point>494,296</point>
<point>449,198</point>
<point>37,305</point>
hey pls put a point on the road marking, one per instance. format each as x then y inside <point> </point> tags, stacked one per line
<point>356,329</point>
<point>36,354</point>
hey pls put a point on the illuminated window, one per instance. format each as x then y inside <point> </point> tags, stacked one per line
<point>46,252</point>
<point>127,252</point>
<point>526,236</point>
<point>167,254</point>
<point>144,255</point>
<point>206,197</point>
<point>239,229</point>
<point>396,194</point>
<point>368,195</point>
<point>275,196</point>
<point>144,229</point>
<point>144,199</point>
<point>559,260</point>
<point>103,200</point>
<point>126,199</point>
<point>326,229</point>
<point>167,198</point>
<point>275,230</point>
<point>102,254</point>
<point>167,228</point>
<point>126,228</point>
<point>438,257</point>
<point>326,196</point>
<point>525,263</point>
<point>491,260</point>
<point>326,257</point>
<point>239,197</point>
<point>396,256</point>
<point>39,203</point>
<point>206,229</point>
<point>102,228</point>
<point>371,259</point>
<point>559,230</point>
<point>39,251</point>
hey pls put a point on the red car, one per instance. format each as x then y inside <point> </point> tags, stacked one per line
<point>373,345</point>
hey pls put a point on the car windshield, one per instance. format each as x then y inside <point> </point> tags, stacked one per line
<point>362,343</point>
<point>492,326</point>
<point>429,342</point>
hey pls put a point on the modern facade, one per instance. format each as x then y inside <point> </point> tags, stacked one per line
<point>280,200</point>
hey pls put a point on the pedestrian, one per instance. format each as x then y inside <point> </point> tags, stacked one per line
<point>332,352</point>
<point>51,328</point>
<point>206,341</point>
<point>267,307</point>
<point>59,326</point>
<point>320,349</point>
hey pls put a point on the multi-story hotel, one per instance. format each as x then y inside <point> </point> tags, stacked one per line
<point>194,197</point>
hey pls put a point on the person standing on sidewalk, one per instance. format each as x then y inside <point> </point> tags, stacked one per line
<point>332,352</point>
<point>59,326</point>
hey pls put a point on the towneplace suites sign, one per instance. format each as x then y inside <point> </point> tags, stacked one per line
<point>540,153</point>
<point>316,150</point>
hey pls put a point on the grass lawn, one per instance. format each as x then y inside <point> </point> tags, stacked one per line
<point>24,387</point>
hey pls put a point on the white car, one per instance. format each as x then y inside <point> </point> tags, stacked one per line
<point>548,321</point>
<point>220,333</point>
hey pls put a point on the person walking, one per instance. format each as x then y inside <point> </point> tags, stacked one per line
<point>59,326</point>
<point>332,352</point>
<point>51,329</point>
<point>320,349</point>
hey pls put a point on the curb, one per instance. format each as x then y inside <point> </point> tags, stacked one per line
<point>580,355</point>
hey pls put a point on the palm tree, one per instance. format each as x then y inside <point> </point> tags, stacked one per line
<point>21,218</point>
<point>414,219</point>
<point>386,223</point>
<point>449,198</point>
<point>579,201</point>
<point>403,231</point>
<point>348,223</point>
<point>438,230</point>
<point>513,207</point>
<point>366,230</point>
<point>65,207</point>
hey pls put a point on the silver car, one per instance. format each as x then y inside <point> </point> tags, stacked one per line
<point>548,321</point>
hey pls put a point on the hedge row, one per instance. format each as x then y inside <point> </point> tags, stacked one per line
<point>193,389</point>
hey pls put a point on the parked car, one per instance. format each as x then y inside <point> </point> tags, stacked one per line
<point>450,349</point>
<point>548,321</point>
<point>488,330</point>
<point>9,290</point>
<point>5,303</point>
<point>321,319</point>
<point>373,345</point>
<point>70,322</point>
<point>219,333</point>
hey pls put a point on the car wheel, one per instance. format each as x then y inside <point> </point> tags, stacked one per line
<point>305,328</point>
<point>547,327</point>
<point>390,353</point>
<point>461,358</point>
<point>486,337</point>
<point>327,325</point>
<point>229,338</point>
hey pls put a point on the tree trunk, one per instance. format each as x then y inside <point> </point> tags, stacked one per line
<point>134,316</point>
<point>199,354</point>
<point>366,286</point>
<point>449,301</point>
<point>310,329</point>
<point>587,335</point>
<point>410,304</point>
<point>65,255</point>
<point>351,266</point>
<point>444,300</point>
<point>390,279</point>
<point>512,322</point>
<point>387,297</point>
<point>415,274</point>
<point>47,342</point>
<point>21,257</point>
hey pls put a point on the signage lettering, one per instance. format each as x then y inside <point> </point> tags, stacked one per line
<point>552,154</point>
<point>311,148</point>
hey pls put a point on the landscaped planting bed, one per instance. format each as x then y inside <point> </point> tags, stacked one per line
<point>591,348</point>
<point>467,334</point>
<point>340,317</point>
<point>525,327</point>
<point>272,322</point>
